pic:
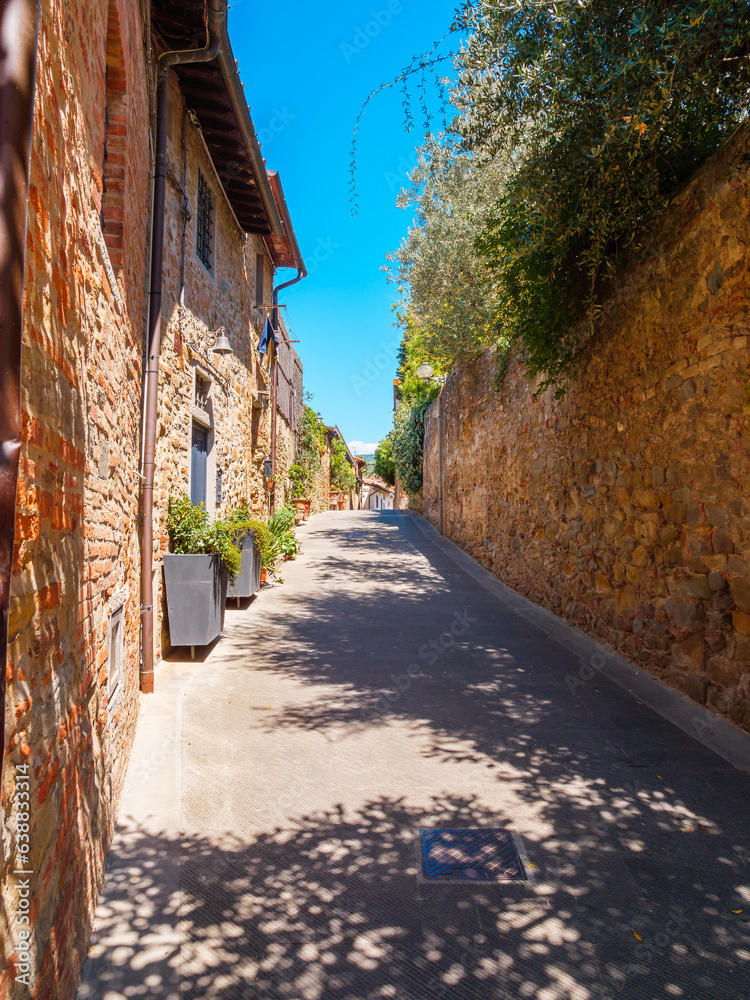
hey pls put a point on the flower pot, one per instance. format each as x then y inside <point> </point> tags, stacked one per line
<point>263,574</point>
<point>196,593</point>
<point>301,509</point>
<point>248,578</point>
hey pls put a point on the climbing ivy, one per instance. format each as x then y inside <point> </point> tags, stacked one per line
<point>342,476</point>
<point>385,466</point>
<point>408,442</point>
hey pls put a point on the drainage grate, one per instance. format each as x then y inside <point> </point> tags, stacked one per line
<point>353,534</point>
<point>472,855</point>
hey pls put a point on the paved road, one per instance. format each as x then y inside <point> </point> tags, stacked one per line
<point>267,841</point>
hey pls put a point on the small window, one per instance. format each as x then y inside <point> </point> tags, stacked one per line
<point>260,267</point>
<point>204,248</point>
<point>116,660</point>
<point>202,391</point>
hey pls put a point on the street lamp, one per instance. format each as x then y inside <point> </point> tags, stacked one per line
<point>426,371</point>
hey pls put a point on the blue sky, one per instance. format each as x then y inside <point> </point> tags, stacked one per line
<point>307,69</point>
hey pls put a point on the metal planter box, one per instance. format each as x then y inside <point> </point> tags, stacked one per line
<point>248,578</point>
<point>196,594</point>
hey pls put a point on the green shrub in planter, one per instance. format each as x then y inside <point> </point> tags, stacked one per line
<point>284,542</point>
<point>191,533</point>
<point>204,557</point>
<point>241,520</point>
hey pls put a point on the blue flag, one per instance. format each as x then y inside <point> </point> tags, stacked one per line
<point>268,333</point>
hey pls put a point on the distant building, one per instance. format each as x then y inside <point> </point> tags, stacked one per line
<point>376,494</point>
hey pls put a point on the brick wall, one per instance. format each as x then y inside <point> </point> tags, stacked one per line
<point>75,585</point>
<point>76,557</point>
<point>624,506</point>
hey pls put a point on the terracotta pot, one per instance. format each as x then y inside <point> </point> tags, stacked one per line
<point>263,574</point>
<point>301,509</point>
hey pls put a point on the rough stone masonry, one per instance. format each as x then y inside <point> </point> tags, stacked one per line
<point>624,506</point>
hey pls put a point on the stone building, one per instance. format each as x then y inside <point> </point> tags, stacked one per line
<point>376,494</point>
<point>75,653</point>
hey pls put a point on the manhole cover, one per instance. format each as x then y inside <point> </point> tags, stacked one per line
<point>472,855</point>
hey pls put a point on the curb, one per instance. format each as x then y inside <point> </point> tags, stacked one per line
<point>714,732</point>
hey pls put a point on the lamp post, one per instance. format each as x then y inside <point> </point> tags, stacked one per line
<point>427,373</point>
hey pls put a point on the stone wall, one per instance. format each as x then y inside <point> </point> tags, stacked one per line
<point>76,561</point>
<point>321,498</point>
<point>624,506</point>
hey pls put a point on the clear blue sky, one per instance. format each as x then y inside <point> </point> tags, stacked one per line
<point>307,69</point>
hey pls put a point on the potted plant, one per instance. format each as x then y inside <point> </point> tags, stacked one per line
<point>284,543</point>
<point>203,559</point>
<point>300,479</point>
<point>247,581</point>
<point>264,541</point>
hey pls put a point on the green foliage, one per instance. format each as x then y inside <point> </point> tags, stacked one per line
<point>282,521</point>
<point>412,352</point>
<point>408,440</point>
<point>342,475</point>
<point>302,480</point>
<point>448,314</point>
<point>264,541</point>
<point>191,533</point>
<point>284,543</point>
<point>241,520</point>
<point>312,439</point>
<point>310,444</point>
<point>385,466</point>
<point>603,109</point>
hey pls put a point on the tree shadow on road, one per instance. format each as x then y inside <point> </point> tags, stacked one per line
<point>637,833</point>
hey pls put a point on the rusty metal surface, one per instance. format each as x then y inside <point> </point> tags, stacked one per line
<point>19,25</point>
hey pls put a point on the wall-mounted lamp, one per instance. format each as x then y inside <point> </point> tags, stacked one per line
<point>219,342</point>
<point>427,373</point>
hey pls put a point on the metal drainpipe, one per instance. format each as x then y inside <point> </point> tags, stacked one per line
<point>216,30</point>
<point>301,273</point>
<point>19,31</point>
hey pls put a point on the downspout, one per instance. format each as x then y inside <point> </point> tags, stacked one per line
<point>217,17</point>
<point>19,30</point>
<point>301,273</point>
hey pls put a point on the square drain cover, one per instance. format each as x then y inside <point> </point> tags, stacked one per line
<point>472,856</point>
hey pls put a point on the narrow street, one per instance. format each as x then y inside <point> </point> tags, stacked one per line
<point>267,847</point>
